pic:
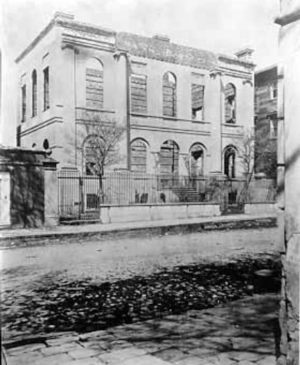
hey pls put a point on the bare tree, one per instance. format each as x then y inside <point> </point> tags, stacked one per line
<point>250,152</point>
<point>102,147</point>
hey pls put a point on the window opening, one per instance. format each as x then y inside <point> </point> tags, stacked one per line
<point>169,157</point>
<point>138,94</point>
<point>138,156</point>
<point>94,84</point>
<point>169,95</point>
<point>23,91</point>
<point>229,162</point>
<point>230,104</point>
<point>34,93</point>
<point>46,89</point>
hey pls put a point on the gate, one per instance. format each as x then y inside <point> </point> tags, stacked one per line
<point>79,196</point>
<point>230,202</point>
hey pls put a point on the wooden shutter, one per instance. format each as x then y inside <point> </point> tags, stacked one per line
<point>169,97</point>
<point>94,88</point>
<point>138,156</point>
<point>138,94</point>
<point>197,96</point>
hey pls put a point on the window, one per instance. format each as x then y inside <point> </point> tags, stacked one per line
<point>169,95</point>
<point>230,104</point>
<point>197,160</point>
<point>139,156</point>
<point>138,94</point>
<point>272,126</point>
<point>34,93</point>
<point>273,90</point>
<point>46,89</point>
<point>46,144</point>
<point>23,92</point>
<point>90,157</point>
<point>229,162</point>
<point>94,84</point>
<point>197,102</point>
<point>169,157</point>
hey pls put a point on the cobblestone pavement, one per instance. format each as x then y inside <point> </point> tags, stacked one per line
<point>124,258</point>
<point>243,332</point>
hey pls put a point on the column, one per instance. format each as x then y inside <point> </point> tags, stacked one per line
<point>214,116</point>
<point>50,192</point>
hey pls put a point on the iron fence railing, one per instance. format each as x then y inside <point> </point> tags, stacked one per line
<point>80,195</point>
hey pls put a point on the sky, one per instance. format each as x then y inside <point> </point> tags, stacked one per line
<point>224,26</point>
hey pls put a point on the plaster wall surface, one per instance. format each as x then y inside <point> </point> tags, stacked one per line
<point>69,45</point>
<point>290,57</point>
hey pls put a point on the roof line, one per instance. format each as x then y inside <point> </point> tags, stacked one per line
<point>266,68</point>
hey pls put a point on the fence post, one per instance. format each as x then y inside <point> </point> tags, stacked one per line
<point>50,192</point>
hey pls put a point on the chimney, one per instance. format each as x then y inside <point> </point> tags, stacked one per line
<point>63,16</point>
<point>245,54</point>
<point>162,38</point>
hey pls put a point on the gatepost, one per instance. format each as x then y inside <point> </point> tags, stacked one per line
<point>51,192</point>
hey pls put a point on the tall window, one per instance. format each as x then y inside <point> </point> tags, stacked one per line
<point>197,101</point>
<point>197,160</point>
<point>229,162</point>
<point>90,157</point>
<point>230,104</point>
<point>34,93</point>
<point>138,90</point>
<point>138,156</point>
<point>23,95</point>
<point>272,125</point>
<point>94,84</point>
<point>169,95</point>
<point>46,89</point>
<point>273,90</point>
<point>169,157</point>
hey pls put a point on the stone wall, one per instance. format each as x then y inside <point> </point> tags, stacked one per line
<point>33,187</point>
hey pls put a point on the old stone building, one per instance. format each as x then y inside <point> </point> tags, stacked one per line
<point>266,82</point>
<point>184,109</point>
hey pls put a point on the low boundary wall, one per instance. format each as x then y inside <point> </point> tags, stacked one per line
<point>156,212</point>
<point>260,208</point>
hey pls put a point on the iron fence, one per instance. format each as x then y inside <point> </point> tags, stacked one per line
<point>83,195</point>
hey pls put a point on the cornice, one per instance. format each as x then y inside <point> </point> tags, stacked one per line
<point>288,16</point>
<point>235,61</point>
<point>216,72</point>
<point>41,125</point>
<point>68,25</point>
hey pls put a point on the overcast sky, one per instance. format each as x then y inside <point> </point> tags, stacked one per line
<point>216,25</point>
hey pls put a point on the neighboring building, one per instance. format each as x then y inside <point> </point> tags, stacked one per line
<point>185,108</point>
<point>265,82</point>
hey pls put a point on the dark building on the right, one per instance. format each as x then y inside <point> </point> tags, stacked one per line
<point>266,81</point>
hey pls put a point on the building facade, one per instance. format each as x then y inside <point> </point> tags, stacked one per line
<point>266,85</point>
<point>184,109</point>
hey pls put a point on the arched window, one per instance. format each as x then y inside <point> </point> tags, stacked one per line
<point>169,157</point>
<point>197,160</point>
<point>169,94</point>
<point>34,93</point>
<point>230,104</point>
<point>138,155</point>
<point>229,161</point>
<point>92,155</point>
<point>94,84</point>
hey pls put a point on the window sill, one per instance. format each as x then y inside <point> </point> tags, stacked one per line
<point>232,125</point>
<point>168,118</point>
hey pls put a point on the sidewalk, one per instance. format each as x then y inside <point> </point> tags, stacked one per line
<point>18,237</point>
<point>243,332</point>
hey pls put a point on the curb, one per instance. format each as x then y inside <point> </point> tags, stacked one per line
<point>42,239</point>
